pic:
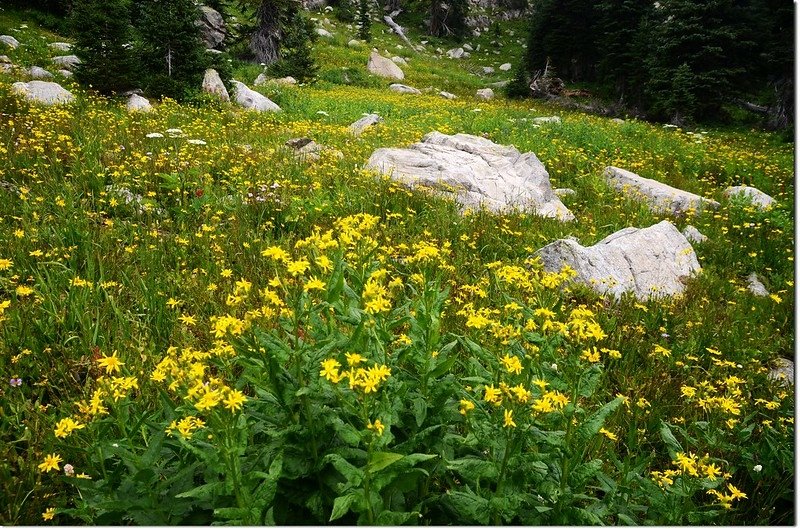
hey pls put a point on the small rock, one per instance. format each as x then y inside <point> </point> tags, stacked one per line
<point>760,199</point>
<point>546,119</point>
<point>261,79</point>
<point>783,371</point>
<point>399,60</point>
<point>137,103</point>
<point>10,41</point>
<point>755,286</point>
<point>322,32</point>
<point>447,95</point>
<point>564,192</point>
<point>488,70</point>
<point>285,81</point>
<point>403,89</point>
<point>252,100</point>
<point>693,235</point>
<point>129,198</point>
<point>67,62</point>
<point>455,53</point>
<point>353,43</point>
<point>467,47</point>
<point>43,92</point>
<point>4,59</point>
<point>37,72</point>
<point>505,67</point>
<point>306,149</point>
<point>485,93</point>
<point>466,55</point>
<point>364,123</point>
<point>212,84</point>
<point>65,73</point>
<point>60,46</point>
<point>618,121</point>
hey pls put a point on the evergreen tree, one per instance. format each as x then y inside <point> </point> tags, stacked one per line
<point>448,18</point>
<point>103,42</point>
<point>622,44</point>
<point>266,40</point>
<point>364,21</point>
<point>697,55</point>
<point>171,50</point>
<point>296,59</point>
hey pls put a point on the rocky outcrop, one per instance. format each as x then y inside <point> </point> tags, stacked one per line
<point>759,199</point>
<point>647,262</point>
<point>137,103</point>
<point>660,197</point>
<point>9,41</point>
<point>43,92</point>
<point>252,100</point>
<point>212,27</point>
<point>693,235</point>
<point>37,72</point>
<point>307,150</point>
<point>755,286</point>
<point>485,94</point>
<point>67,62</point>
<point>383,67</point>
<point>403,89</point>
<point>476,172</point>
<point>213,85</point>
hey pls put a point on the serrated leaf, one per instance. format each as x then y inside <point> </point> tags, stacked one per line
<point>353,475</point>
<point>673,446</point>
<point>472,468</point>
<point>470,507</point>
<point>584,472</point>
<point>594,422</point>
<point>203,492</point>
<point>395,518</point>
<point>341,506</point>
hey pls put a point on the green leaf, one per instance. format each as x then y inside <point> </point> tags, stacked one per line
<point>470,507</point>
<point>420,407</point>
<point>443,367</point>
<point>592,425</point>
<point>473,469</point>
<point>395,518</point>
<point>265,492</point>
<point>341,506</point>
<point>584,472</point>
<point>203,492</point>
<point>353,475</point>
<point>669,439</point>
<point>381,460</point>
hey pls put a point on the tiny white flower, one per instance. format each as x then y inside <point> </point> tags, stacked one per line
<point>554,366</point>
<point>154,135</point>
<point>174,131</point>
<point>115,445</point>
<point>69,470</point>
<point>196,142</point>
<point>757,468</point>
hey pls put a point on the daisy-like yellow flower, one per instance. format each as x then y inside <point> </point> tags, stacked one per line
<point>314,284</point>
<point>508,419</point>
<point>50,463</point>
<point>111,363</point>
<point>65,426</point>
<point>5,264</point>
<point>188,319</point>
<point>512,364</point>
<point>49,514</point>
<point>235,400</point>
<point>465,405</point>
<point>493,395</point>
<point>610,435</point>
<point>378,426</point>
<point>353,359</point>
<point>330,369</point>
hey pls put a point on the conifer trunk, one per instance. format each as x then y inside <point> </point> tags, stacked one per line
<point>265,43</point>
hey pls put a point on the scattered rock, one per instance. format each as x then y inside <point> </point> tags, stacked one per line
<point>322,32</point>
<point>4,59</point>
<point>618,121</point>
<point>455,53</point>
<point>285,81</point>
<point>475,171</point>
<point>384,67</point>
<point>505,66</point>
<point>488,70</point>
<point>693,235</point>
<point>60,46</point>
<point>660,197</point>
<point>67,62</point>
<point>261,79</point>
<point>212,27</point>
<point>546,119</point>
<point>9,41</point>
<point>43,92</point>
<point>564,192</point>
<point>760,199</point>
<point>37,72</point>
<point>137,103</point>
<point>783,371</point>
<point>403,89</point>
<point>353,43</point>
<point>467,47</point>
<point>364,123</point>
<point>399,60</point>
<point>65,73</point>
<point>306,149</point>
<point>485,93</point>
<point>755,286</point>
<point>648,262</point>
<point>252,100</point>
<point>212,84</point>
<point>6,67</point>
<point>447,95</point>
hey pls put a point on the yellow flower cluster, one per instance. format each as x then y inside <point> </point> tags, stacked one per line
<point>367,380</point>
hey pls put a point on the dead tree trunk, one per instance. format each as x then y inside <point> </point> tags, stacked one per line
<point>266,41</point>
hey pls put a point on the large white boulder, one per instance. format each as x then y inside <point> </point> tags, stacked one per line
<point>648,262</point>
<point>137,103</point>
<point>212,84</point>
<point>476,172</point>
<point>383,67</point>
<point>403,89</point>
<point>67,62</point>
<point>759,199</point>
<point>485,94</point>
<point>212,27</point>
<point>9,41</point>
<point>455,53</point>
<point>37,72</point>
<point>660,197</point>
<point>43,92</point>
<point>252,100</point>
<point>322,32</point>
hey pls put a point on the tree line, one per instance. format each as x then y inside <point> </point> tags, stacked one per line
<point>676,60</point>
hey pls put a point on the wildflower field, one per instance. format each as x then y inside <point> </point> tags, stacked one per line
<point>196,327</point>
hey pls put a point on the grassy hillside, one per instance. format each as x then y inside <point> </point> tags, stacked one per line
<point>258,339</point>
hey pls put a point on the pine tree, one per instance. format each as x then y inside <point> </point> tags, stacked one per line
<point>296,58</point>
<point>621,37</point>
<point>448,18</point>
<point>103,37</point>
<point>364,21</point>
<point>172,52</point>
